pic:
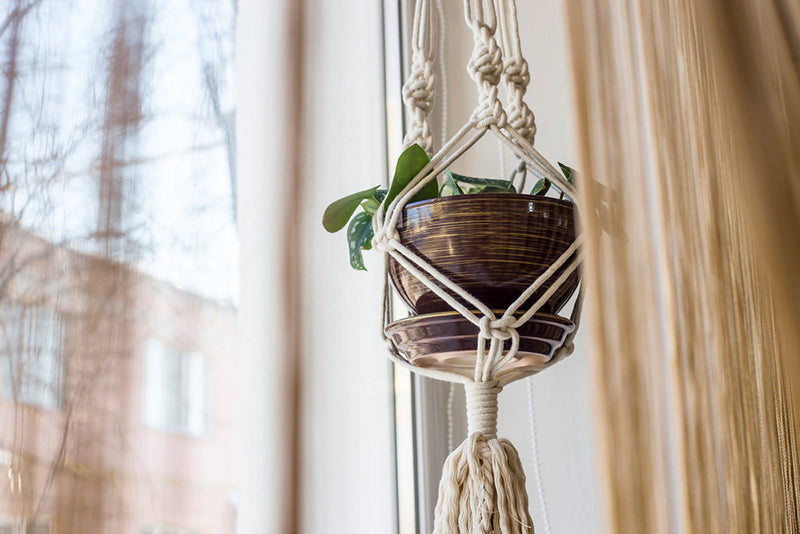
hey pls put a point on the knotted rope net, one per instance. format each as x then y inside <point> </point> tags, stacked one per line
<point>483,484</point>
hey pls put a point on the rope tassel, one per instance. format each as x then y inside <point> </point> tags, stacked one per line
<point>482,490</point>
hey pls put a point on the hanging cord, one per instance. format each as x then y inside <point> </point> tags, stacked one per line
<point>486,63</point>
<point>537,471</point>
<point>442,67</point>
<point>451,397</point>
<point>419,89</point>
<point>516,76</point>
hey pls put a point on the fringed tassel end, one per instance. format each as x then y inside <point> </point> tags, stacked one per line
<point>483,485</point>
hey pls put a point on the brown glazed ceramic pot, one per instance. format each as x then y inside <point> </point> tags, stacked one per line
<point>492,245</point>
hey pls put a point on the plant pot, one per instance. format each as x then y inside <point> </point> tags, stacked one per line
<point>447,341</point>
<point>492,245</point>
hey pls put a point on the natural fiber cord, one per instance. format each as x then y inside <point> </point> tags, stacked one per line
<point>688,114</point>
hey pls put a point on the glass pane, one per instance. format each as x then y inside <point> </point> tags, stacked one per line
<point>118,266</point>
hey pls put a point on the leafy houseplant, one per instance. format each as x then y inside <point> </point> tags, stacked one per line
<point>409,164</point>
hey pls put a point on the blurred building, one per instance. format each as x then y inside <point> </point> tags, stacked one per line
<point>116,398</point>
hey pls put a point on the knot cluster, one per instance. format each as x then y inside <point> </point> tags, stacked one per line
<point>419,89</point>
<point>383,238</point>
<point>516,73</point>
<point>486,68</point>
<point>501,329</point>
<point>418,93</point>
<point>517,78</point>
<point>486,63</point>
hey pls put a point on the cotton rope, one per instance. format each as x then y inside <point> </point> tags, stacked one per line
<point>483,485</point>
<point>537,470</point>
<point>418,91</point>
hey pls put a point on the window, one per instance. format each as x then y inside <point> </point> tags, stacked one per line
<point>10,526</point>
<point>31,356</point>
<point>175,389</point>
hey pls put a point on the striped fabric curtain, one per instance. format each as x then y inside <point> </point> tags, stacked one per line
<point>688,114</point>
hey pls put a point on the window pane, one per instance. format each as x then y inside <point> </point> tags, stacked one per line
<point>118,264</point>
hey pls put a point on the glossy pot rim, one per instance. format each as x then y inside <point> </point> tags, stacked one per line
<point>479,197</point>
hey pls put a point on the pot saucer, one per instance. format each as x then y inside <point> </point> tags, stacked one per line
<point>447,341</point>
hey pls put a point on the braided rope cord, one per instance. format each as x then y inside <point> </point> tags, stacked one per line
<point>419,88</point>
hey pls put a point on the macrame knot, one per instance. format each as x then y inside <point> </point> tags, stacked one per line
<point>418,90</point>
<point>496,328</point>
<point>516,73</point>
<point>486,63</point>
<point>490,111</point>
<point>482,407</point>
<point>521,118</point>
<point>382,239</point>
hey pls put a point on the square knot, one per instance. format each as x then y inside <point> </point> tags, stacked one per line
<point>486,63</point>
<point>418,91</point>
<point>501,329</point>
<point>515,72</point>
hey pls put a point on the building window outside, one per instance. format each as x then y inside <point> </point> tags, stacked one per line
<point>11,526</point>
<point>31,362</point>
<point>175,389</point>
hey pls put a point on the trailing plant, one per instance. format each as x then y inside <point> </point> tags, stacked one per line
<point>409,164</point>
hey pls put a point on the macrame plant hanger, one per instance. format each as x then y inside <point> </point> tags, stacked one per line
<point>483,485</point>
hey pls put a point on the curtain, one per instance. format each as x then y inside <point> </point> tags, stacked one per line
<point>688,114</point>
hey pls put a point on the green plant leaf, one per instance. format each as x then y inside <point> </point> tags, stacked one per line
<point>568,172</point>
<point>370,205</point>
<point>498,186</point>
<point>411,161</point>
<point>338,213</point>
<point>541,188</point>
<point>450,183</point>
<point>491,189</point>
<point>359,237</point>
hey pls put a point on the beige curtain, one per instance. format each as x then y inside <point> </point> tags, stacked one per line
<point>688,115</point>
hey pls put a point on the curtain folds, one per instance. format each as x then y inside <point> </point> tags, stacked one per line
<point>687,121</point>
